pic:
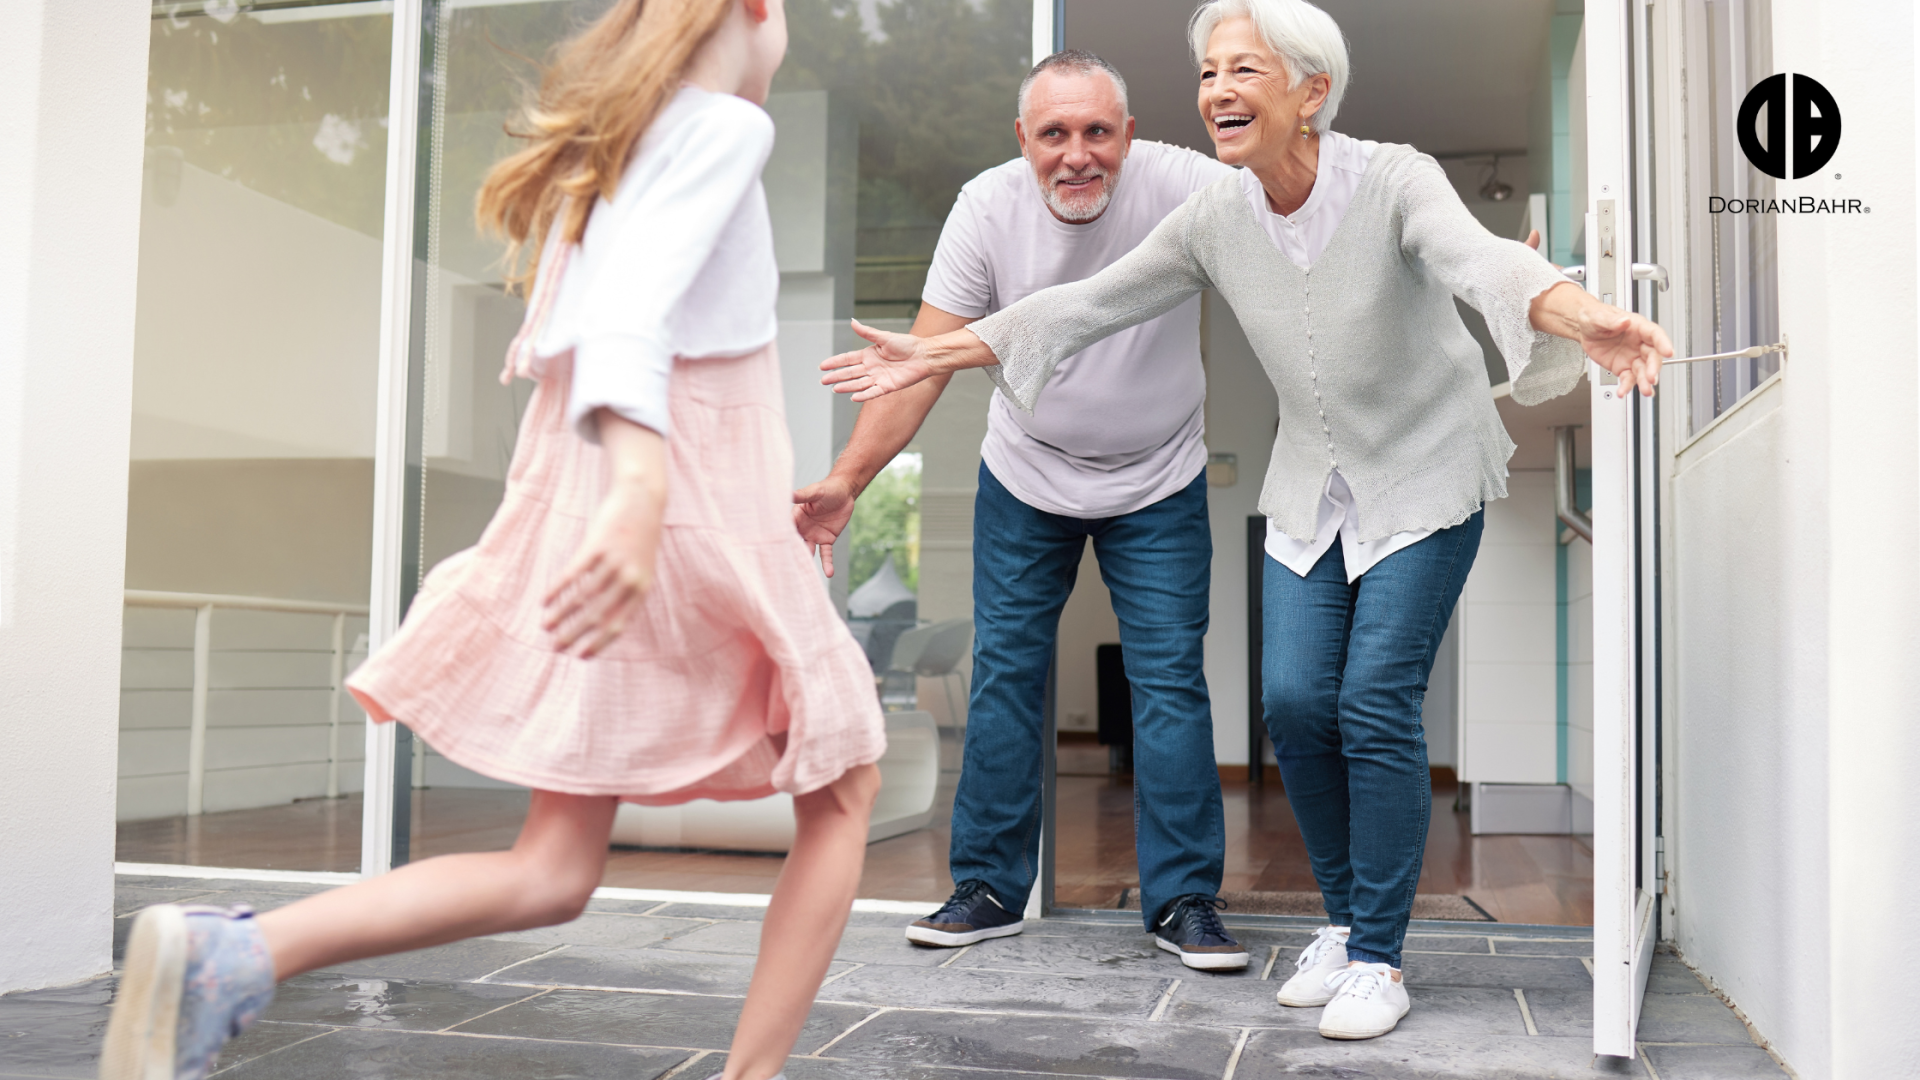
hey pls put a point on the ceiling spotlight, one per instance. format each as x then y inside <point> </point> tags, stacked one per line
<point>1495,189</point>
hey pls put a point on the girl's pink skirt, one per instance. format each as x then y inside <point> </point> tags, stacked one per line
<point>735,679</point>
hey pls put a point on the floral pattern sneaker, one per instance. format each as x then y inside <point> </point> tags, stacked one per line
<point>195,977</point>
<point>1367,1002</point>
<point>1307,988</point>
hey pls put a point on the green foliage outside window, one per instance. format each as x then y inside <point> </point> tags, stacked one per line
<point>886,520</point>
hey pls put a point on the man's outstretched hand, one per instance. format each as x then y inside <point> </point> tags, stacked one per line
<point>820,515</point>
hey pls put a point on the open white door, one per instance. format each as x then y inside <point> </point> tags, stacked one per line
<point>1624,911</point>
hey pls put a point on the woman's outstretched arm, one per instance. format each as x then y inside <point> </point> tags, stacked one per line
<point>1021,344</point>
<point>1526,302</point>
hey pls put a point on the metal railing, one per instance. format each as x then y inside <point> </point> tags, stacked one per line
<point>202,606</point>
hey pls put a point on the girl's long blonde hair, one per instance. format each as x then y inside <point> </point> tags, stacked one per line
<point>603,89</point>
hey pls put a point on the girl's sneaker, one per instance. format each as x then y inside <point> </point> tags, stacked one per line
<point>195,977</point>
<point>1308,986</point>
<point>1367,1002</point>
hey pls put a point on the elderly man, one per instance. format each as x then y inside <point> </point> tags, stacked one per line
<point>1118,458</point>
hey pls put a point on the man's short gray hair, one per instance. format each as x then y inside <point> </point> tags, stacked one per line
<point>1303,36</point>
<point>1080,62</point>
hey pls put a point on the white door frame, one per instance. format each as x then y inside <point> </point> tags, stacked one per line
<point>1624,927</point>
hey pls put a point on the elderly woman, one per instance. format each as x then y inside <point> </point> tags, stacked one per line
<point>1342,259</point>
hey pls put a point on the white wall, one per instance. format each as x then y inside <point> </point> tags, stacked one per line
<point>74,78</point>
<point>1508,663</point>
<point>1794,816</point>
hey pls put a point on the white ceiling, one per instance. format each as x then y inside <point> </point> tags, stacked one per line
<point>1448,76</point>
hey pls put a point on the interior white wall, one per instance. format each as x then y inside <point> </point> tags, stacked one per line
<point>74,77</point>
<point>1506,632</point>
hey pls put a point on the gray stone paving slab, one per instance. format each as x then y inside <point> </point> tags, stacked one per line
<point>128,899</point>
<point>418,1056</point>
<point>846,1069</point>
<point>1747,1062</point>
<point>1092,954</point>
<point>677,1020</point>
<point>1234,1004</point>
<point>50,1038</point>
<point>1407,1055</point>
<point>1670,976</point>
<point>1562,1012</point>
<point>1690,1018</point>
<point>458,962</point>
<point>1541,947</point>
<point>640,969</point>
<point>1496,972</point>
<point>262,1039</point>
<point>1117,996</point>
<point>612,931</point>
<point>398,1004</point>
<point>860,944</point>
<point>1067,1046</point>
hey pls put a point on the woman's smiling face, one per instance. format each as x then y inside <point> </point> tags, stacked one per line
<point>1246,98</point>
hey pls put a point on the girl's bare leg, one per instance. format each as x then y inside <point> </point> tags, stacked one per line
<point>545,879</point>
<point>804,921</point>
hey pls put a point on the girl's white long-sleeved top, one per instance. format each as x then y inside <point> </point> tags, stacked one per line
<point>680,263</point>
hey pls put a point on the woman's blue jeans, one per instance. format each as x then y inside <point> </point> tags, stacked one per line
<point>1156,563</point>
<point>1344,672</point>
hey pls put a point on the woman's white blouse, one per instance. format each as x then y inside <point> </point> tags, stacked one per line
<point>679,264</point>
<point>1301,236</point>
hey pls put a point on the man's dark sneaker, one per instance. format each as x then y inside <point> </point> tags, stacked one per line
<point>971,914</point>
<point>1189,927</point>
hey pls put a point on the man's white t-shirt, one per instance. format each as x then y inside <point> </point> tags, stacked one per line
<point>1120,426</point>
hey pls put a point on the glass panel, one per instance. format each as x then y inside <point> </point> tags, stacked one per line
<point>1736,301</point>
<point>858,186</point>
<point>250,497</point>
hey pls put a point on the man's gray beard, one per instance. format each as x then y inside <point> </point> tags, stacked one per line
<point>1085,212</point>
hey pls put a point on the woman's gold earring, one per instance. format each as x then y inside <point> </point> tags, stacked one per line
<point>1305,131</point>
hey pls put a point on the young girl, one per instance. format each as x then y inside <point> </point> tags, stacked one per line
<point>640,620</point>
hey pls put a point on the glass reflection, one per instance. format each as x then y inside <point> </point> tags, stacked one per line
<point>250,496</point>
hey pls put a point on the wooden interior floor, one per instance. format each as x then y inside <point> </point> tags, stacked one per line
<point>1522,879</point>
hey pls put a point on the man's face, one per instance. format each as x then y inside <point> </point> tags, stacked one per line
<point>1075,133</point>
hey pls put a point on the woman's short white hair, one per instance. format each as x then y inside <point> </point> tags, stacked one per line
<point>1306,38</point>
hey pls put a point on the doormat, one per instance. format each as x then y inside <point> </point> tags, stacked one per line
<point>1448,907</point>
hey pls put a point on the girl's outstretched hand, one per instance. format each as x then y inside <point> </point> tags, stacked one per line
<point>602,587</point>
<point>893,362</point>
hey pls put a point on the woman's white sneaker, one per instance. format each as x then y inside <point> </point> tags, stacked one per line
<point>1367,1002</point>
<point>1308,987</point>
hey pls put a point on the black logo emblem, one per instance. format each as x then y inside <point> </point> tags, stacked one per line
<point>1816,126</point>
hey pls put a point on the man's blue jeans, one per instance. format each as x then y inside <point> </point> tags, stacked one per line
<point>1155,562</point>
<point>1344,672</point>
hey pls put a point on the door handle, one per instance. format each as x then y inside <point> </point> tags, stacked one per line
<point>1651,272</point>
<point>1575,273</point>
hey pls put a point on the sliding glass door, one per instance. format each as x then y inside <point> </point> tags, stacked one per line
<point>252,472</point>
<point>883,111</point>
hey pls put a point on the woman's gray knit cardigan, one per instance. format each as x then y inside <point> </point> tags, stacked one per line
<point>1375,372</point>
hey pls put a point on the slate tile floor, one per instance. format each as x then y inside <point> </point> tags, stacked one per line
<point>642,991</point>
